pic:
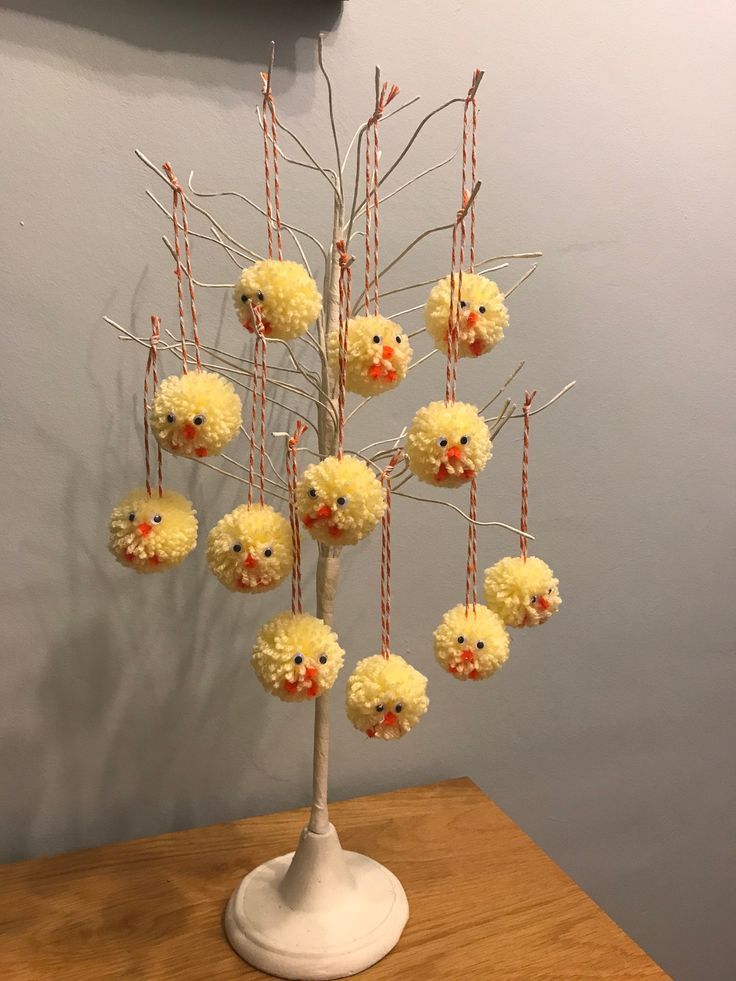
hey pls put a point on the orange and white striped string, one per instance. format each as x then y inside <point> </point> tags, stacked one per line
<point>180,204</point>
<point>372,156</point>
<point>470,144</point>
<point>270,144</point>
<point>344,285</point>
<point>471,572</point>
<point>386,557</point>
<point>258,412</point>
<point>528,396</point>
<point>292,475</point>
<point>152,373</point>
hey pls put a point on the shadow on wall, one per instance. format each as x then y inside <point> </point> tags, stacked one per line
<point>224,29</point>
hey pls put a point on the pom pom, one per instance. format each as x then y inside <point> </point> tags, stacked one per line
<point>283,293</point>
<point>471,643</point>
<point>296,657</point>
<point>447,444</point>
<point>150,534</point>
<point>378,355</point>
<point>523,594</point>
<point>196,414</point>
<point>249,550</point>
<point>483,315</point>
<point>340,501</point>
<point>386,696</point>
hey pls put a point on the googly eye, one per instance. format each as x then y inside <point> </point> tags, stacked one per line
<point>323,659</point>
<point>398,338</point>
<point>532,599</point>
<point>243,298</point>
<point>376,339</point>
<point>463,304</point>
<point>261,297</point>
<point>481,309</point>
<point>131,516</point>
<point>157,519</point>
<point>398,707</point>
<point>170,417</point>
<point>298,658</point>
<point>464,440</point>
<point>442,441</point>
<point>341,501</point>
<point>237,547</point>
<point>199,419</point>
<point>549,590</point>
<point>312,492</point>
<point>268,552</point>
<point>461,639</point>
<point>380,707</point>
<point>480,645</point>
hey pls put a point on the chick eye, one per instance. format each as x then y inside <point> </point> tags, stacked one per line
<point>376,339</point>
<point>312,492</point>
<point>298,658</point>
<point>465,440</point>
<point>461,639</point>
<point>481,309</point>
<point>342,501</point>
<point>268,552</point>
<point>237,547</point>
<point>442,441</point>
<point>243,298</point>
<point>170,417</point>
<point>480,645</point>
<point>199,419</point>
<point>380,707</point>
<point>463,304</point>
<point>157,519</point>
<point>261,297</point>
<point>549,590</point>
<point>323,659</point>
<point>398,707</point>
<point>131,516</point>
<point>398,338</point>
<point>532,599</point>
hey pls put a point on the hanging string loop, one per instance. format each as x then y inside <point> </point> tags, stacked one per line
<point>180,205</point>
<point>471,572</point>
<point>528,397</point>
<point>292,475</point>
<point>386,556</point>
<point>270,145</point>
<point>257,434</point>
<point>345,261</point>
<point>151,373</point>
<point>372,157</point>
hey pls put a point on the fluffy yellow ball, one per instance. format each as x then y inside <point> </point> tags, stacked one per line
<point>249,549</point>
<point>378,355</point>
<point>447,444</point>
<point>483,315</point>
<point>283,293</point>
<point>386,697</point>
<point>523,594</point>
<point>150,534</point>
<point>340,501</point>
<point>471,644</point>
<point>196,414</point>
<point>296,657</point>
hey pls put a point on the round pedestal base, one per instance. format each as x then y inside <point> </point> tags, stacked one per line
<point>323,914</point>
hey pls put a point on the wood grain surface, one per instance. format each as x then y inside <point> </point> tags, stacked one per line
<point>485,901</point>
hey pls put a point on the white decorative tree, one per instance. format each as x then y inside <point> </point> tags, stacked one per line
<point>325,913</point>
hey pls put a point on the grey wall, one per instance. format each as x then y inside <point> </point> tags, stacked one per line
<point>128,705</point>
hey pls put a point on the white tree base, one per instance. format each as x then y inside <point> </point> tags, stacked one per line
<point>317,913</point>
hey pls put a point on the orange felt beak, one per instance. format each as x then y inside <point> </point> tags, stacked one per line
<point>454,453</point>
<point>189,431</point>
<point>467,654</point>
<point>472,318</point>
<point>543,602</point>
<point>324,512</point>
<point>250,562</point>
<point>388,352</point>
<point>389,719</point>
<point>144,528</point>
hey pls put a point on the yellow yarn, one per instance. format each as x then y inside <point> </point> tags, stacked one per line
<point>283,292</point>
<point>447,444</point>
<point>249,549</point>
<point>296,657</point>
<point>471,643</point>
<point>340,501</point>
<point>196,414</point>
<point>378,355</point>
<point>150,534</point>
<point>386,697</point>
<point>483,315</point>
<point>523,594</point>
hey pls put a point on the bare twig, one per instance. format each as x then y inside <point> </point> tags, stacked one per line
<point>479,524</point>
<point>503,388</point>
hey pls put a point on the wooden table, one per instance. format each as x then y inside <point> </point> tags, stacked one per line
<point>485,901</point>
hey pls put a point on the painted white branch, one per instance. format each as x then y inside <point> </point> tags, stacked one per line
<point>505,385</point>
<point>447,504</point>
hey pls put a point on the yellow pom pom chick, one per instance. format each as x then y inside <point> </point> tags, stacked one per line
<point>150,534</point>
<point>196,414</point>
<point>296,657</point>
<point>447,444</point>
<point>378,355</point>
<point>483,315</point>
<point>523,594</point>
<point>471,644</point>
<point>386,696</point>
<point>283,293</point>
<point>340,501</point>
<point>249,549</point>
